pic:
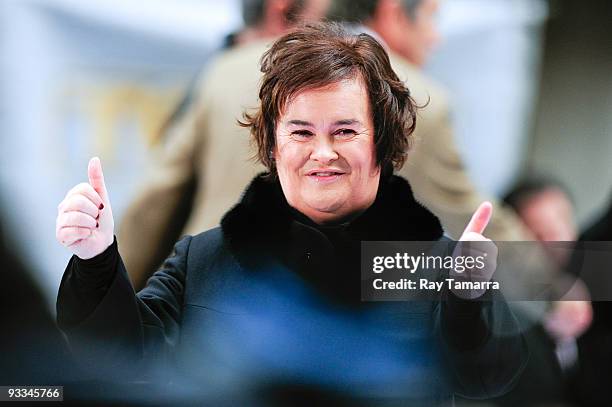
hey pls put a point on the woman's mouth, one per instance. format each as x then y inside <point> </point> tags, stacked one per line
<point>325,176</point>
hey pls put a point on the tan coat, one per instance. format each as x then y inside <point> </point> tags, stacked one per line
<point>206,153</point>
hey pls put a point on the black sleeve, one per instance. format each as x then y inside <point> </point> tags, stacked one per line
<point>84,285</point>
<point>481,339</point>
<point>107,324</point>
<point>463,325</point>
<point>483,343</point>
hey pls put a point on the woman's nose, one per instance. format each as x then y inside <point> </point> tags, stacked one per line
<point>324,151</point>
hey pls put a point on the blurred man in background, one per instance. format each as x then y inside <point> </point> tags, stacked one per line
<point>270,18</point>
<point>204,163</point>
<point>407,27</point>
<point>546,209</point>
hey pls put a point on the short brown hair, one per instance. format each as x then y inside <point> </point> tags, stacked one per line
<point>321,54</point>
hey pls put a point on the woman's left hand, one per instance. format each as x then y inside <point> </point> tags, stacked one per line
<point>473,244</point>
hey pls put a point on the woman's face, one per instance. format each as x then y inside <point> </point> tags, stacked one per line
<point>325,153</point>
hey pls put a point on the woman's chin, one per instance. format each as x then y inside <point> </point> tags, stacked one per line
<point>322,211</point>
<point>325,204</point>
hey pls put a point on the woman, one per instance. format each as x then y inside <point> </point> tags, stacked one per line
<point>274,292</point>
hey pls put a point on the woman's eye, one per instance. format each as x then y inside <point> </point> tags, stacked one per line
<point>301,134</point>
<point>345,132</point>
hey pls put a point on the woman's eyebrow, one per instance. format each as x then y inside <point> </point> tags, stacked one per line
<point>300,123</point>
<point>346,122</point>
<point>343,122</point>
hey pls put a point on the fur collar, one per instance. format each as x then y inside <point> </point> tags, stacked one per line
<point>263,217</point>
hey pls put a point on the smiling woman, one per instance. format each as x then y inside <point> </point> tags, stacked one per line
<point>324,152</point>
<point>320,131</point>
<point>272,297</point>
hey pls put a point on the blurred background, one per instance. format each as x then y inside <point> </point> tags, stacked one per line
<point>529,81</point>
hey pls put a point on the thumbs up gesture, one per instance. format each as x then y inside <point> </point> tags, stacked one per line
<point>84,218</point>
<point>473,244</point>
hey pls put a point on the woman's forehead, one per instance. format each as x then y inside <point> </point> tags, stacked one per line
<point>344,101</point>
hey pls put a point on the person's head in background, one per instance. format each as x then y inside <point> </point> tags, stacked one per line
<point>408,27</point>
<point>546,208</point>
<point>271,18</point>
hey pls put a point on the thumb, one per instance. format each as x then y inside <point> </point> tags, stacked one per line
<point>480,219</point>
<point>96,178</point>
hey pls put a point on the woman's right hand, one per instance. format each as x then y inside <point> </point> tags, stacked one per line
<point>84,218</point>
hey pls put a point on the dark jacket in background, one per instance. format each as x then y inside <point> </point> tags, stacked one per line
<point>272,300</point>
<point>591,381</point>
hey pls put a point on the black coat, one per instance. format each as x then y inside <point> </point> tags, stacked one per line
<point>591,379</point>
<point>271,297</point>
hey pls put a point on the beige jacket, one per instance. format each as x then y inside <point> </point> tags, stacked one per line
<point>206,161</point>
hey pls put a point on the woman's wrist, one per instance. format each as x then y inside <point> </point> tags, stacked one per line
<point>97,272</point>
<point>104,256</point>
